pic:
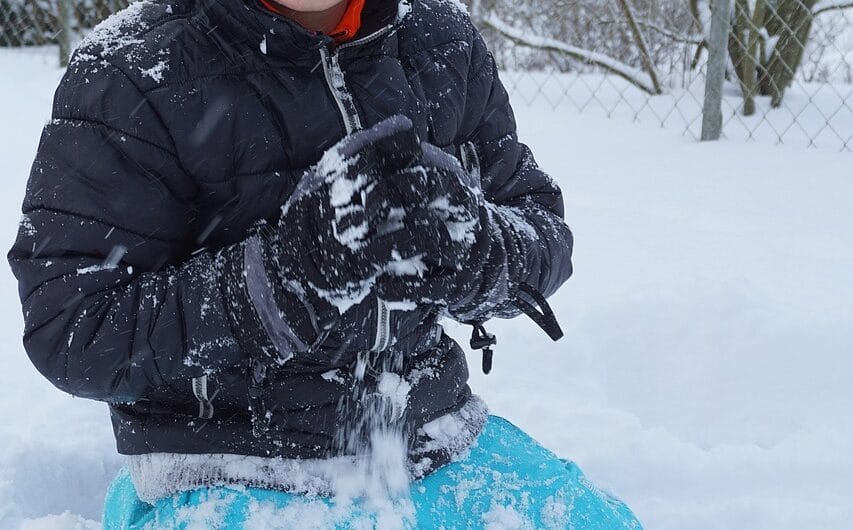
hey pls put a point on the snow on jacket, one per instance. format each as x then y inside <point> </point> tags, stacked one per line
<point>181,123</point>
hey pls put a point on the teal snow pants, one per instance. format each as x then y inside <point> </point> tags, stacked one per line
<point>506,481</point>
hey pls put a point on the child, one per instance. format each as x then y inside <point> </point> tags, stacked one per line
<point>242,227</point>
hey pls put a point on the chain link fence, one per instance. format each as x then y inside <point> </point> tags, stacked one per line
<point>785,66</point>
<point>41,22</point>
<point>52,22</point>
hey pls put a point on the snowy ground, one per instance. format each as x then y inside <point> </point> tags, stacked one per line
<point>705,376</point>
<point>811,115</point>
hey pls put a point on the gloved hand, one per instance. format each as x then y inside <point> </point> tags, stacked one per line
<point>447,200</point>
<point>347,222</point>
<point>273,318</point>
<point>444,202</point>
<point>350,218</point>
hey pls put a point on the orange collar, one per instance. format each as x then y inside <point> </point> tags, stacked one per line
<point>350,23</point>
<point>347,27</point>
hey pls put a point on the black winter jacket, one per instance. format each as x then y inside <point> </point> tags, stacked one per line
<point>178,125</point>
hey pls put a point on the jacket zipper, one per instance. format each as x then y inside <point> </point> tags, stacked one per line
<point>470,159</point>
<point>352,122</point>
<point>368,38</point>
<point>383,326</point>
<point>335,79</point>
<point>205,401</point>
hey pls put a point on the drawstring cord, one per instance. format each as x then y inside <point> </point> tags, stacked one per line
<point>543,317</point>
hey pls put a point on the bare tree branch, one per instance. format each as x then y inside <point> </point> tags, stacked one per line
<point>640,41</point>
<point>826,7</point>
<point>636,77</point>
<point>698,40</point>
<point>677,37</point>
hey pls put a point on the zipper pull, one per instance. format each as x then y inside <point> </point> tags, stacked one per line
<point>483,340</point>
<point>261,417</point>
<point>205,401</point>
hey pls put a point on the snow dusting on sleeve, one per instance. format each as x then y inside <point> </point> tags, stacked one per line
<point>334,376</point>
<point>156,71</point>
<point>110,263</point>
<point>403,9</point>
<point>462,8</point>
<point>26,225</point>
<point>116,32</point>
<point>120,39</point>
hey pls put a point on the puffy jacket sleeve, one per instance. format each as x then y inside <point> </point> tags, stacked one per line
<point>114,304</point>
<point>526,210</point>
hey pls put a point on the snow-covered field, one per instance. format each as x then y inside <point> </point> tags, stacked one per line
<point>706,373</point>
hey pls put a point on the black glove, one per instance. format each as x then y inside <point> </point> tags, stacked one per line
<point>368,208</point>
<point>467,271</point>
<point>273,319</point>
<point>477,263</point>
<point>445,205</point>
<point>344,225</point>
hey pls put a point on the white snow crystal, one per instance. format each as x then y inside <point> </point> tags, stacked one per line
<point>335,376</point>
<point>458,5</point>
<point>348,297</point>
<point>458,230</point>
<point>556,514</point>
<point>403,9</point>
<point>444,428</point>
<point>113,33</point>
<point>122,31</point>
<point>110,263</point>
<point>207,514</point>
<point>516,218</point>
<point>156,71</point>
<point>343,190</point>
<point>396,390</point>
<point>402,305</point>
<point>505,518</point>
<point>95,268</point>
<point>27,226</point>
<point>413,266</point>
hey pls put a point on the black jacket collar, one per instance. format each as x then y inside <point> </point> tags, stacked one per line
<point>257,30</point>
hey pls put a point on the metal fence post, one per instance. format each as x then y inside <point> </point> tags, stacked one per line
<point>718,47</point>
<point>64,15</point>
